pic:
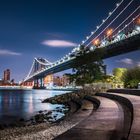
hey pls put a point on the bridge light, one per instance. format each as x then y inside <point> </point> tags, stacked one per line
<point>96,42</point>
<point>103,43</point>
<point>97,27</point>
<point>92,33</point>
<point>92,48</point>
<point>110,13</point>
<point>87,37</point>
<point>119,31</point>
<point>118,36</point>
<point>103,20</point>
<point>138,28</point>
<point>83,41</point>
<point>117,4</point>
<point>109,32</point>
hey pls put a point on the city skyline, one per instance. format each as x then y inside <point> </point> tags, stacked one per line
<point>50,29</point>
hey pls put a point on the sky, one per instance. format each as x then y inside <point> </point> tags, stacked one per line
<point>50,29</point>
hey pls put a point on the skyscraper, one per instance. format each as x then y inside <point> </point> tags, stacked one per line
<point>6,75</point>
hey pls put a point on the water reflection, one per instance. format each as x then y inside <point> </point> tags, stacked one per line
<point>24,104</point>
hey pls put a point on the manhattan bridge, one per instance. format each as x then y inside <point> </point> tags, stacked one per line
<point>118,33</point>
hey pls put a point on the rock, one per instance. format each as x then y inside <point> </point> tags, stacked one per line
<point>39,118</point>
<point>1,127</point>
<point>40,111</point>
<point>21,120</point>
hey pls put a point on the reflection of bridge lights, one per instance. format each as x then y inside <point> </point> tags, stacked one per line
<point>109,32</point>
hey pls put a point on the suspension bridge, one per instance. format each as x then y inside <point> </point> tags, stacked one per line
<point>117,34</point>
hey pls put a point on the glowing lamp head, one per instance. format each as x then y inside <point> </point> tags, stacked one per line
<point>109,32</point>
<point>138,21</point>
<point>96,42</point>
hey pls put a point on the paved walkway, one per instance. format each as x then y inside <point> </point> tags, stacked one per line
<point>106,123</point>
<point>135,129</point>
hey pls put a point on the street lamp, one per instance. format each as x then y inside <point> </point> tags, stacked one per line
<point>138,21</point>
<point>96,42</point>
<point>109,32</point>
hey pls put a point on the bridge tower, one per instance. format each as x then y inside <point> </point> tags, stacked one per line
<point>39,65</point>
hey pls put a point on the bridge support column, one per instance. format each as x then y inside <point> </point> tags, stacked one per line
<point>36,84</point>
<point>41,83</point>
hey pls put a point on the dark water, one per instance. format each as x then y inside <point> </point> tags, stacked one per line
<point>24,104</point>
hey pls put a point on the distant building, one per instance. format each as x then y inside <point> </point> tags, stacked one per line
<point>57,81</point>
<point>65,80</point>
<point>48,80</point>
<point>1,82</point>
<point>28,84</point>
<point>61,81</point>
<point>6,76</point>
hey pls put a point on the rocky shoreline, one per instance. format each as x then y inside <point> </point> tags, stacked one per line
<point>47,116</point>
<point>43,125</point>
<point>66,98</point>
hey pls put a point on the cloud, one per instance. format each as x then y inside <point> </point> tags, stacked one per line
<point>8,52</point>
<point>138,64</point>
<point>126,61</point>
<point>59,43</point>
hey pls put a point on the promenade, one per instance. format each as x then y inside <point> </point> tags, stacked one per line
<point>116,118</point>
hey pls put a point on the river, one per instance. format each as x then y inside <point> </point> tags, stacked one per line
<point>24,104</point>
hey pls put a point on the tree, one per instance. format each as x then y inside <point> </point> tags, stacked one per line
<point>119,72</point>
<point>88,67</point>
<point>131,77</point>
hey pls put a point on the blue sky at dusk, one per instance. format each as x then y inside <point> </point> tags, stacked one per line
<point>27,26</point>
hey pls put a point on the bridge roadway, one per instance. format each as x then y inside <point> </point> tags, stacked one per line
<point>124,46</point>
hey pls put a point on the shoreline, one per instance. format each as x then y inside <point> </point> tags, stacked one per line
<point>47,130</point>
